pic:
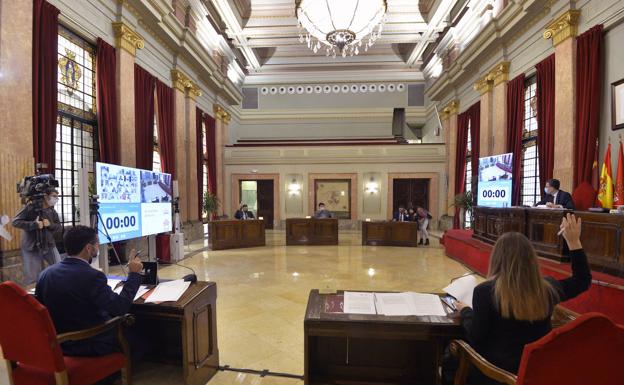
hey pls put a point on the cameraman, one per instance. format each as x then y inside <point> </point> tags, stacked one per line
<point>39,222</point>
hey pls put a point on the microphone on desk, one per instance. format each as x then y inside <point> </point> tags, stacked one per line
<point>192,278</point>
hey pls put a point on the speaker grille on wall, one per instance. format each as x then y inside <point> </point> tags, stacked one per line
<point>416,95</point>
<point>250,98</point>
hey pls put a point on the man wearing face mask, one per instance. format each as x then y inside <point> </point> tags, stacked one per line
<point>322,212</point>
<point>78,296</point>
<point>39,223</point>
<point>243,213</point>
<point>555,198</point>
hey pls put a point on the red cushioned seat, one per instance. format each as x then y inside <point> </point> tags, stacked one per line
<point>80,370</point>
<point>28,339</point>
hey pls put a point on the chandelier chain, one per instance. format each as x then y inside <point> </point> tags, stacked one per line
<point>354,13</point>
<point>331,18</point>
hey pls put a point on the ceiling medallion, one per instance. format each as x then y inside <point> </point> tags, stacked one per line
<point>340,26</point>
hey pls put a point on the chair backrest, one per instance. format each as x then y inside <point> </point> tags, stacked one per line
<point>584,196</point>
<point>588,350</point>
<point>27,334</point>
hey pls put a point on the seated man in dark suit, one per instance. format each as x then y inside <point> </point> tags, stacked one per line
<point>243,213</point>
<point>322,212</point>
<point>402,215</point>
<point>555,198</point>
<point>78,296</point>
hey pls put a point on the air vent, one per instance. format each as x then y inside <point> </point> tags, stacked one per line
<point>416,95</point>
<point>250,98</point>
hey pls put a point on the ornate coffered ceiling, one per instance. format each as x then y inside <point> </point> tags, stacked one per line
<point>265,35</point>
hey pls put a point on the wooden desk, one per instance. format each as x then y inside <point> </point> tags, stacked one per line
<point>359,349</point>
<point>236,234</point>
<point>183,333</point>
<point>602,234</point>
<point>389,233</point>
<point>303,231</point>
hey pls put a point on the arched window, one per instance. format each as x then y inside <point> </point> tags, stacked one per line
<point>530,190</point>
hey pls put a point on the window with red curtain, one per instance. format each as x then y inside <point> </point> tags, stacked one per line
<point>200,134</point>
<point>144,85</point>
<point>108,127</point>
<point>545,116</point>
<point>76,131</point>
<point>211,155</point>
<point>460,160</point>
<point>589,67</point>
<point>468,172</point>
<point>515,120</point>
<point>531,186</point>
<point>166,127</point>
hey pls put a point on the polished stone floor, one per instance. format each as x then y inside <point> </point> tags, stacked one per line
<point>262,295</point>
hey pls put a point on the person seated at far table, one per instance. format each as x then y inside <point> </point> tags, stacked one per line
<point>555,198</point>
<point>243,213</point>
<point>78,296</point>
<point>322,212</point>
<point>402,215</point>
<point>514,306</point>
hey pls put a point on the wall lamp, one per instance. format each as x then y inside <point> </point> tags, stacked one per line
<point>294,188</point>
<point>372,187</point>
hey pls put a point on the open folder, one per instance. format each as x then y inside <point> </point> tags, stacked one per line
<point>462,288</point>
<point>393,304</point>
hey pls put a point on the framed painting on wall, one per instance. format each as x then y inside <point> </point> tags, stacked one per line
<point>617,104</point>
<point>336,194</point>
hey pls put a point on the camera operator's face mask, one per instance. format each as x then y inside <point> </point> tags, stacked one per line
<point>51,200</point>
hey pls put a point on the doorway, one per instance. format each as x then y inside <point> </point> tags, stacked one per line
<point>258,195</point>
<point>410,192</point>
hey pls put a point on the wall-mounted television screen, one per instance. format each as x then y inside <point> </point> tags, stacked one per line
<point>494,184</point>
<point>133,202</point>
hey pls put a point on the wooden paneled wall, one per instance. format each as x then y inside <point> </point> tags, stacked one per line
<point>12,170</point>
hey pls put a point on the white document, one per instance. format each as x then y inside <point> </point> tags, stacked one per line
<point>359,303</point>
<point>142,290</point>
<point>168,291</point>
<point>404,304</point>
<point>463,288</point>
<point>112,283</point>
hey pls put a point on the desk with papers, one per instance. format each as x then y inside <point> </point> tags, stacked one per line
<point>376,348</point>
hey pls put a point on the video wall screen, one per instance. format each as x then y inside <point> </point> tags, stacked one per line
<point>495,180</point>
<point>133,202</point>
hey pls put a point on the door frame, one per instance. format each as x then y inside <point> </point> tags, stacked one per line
<point>235,190</point>
<point>434,186</point>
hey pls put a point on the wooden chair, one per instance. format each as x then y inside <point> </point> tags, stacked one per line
<point>588,350</point>
<point>31,352</point>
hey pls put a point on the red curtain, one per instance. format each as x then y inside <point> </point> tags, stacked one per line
<point>211,155</point>
<point>144,84</point>
<point>44,87</point>
<point>589,63</point>
<point>460,160</point>
<point>545,94</point>
<point>474,114</point>
<point>108,126</point>
<point>166,127</point>
<point>199,140</point>
<point>515,117</point>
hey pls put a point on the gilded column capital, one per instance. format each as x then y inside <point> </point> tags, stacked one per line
<point>484,84</point>
<point>127,39</point>
<point>563,27</point>
<point>221,114</point>
<point>183,82</point>
<point>451,108</point>
<point>500,73</point>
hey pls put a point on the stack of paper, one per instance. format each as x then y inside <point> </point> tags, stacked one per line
<point>462,288</point>
<point>393,304</point>
<point>403,304</point>
<point>142,290</point>
<point>168,291</point>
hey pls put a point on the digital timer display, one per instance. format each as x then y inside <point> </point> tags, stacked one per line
<point>495,181</point>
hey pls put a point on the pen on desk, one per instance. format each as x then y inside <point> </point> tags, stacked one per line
<point>560,232</point>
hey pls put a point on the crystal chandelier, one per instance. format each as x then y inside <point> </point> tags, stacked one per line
<point>340,26</point>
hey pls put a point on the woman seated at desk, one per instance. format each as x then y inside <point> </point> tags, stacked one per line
<point>513,307</point>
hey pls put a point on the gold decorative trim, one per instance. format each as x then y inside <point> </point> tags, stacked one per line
<point>182,82</point>
<point>127,39</point>
<point>484,85</point>
<point>221,114</point>
<point>564,27</point>
<point>452,108</point>
<point>500,73</point>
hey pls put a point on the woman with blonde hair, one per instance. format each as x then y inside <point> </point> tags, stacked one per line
<point>513,307</point>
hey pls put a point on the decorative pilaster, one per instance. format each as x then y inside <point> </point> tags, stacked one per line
<point>221,114</point>
<point>127,39</point>
<point>563,31</point>
<point>563,27</point>
<point>500,77</point>
<point>222,118</point>
<point>451,108</point>
<point>448,116</point>
<point>183,82</point>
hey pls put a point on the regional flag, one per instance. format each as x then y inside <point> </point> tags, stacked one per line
<point>605,193</point>
<point>619,179</point>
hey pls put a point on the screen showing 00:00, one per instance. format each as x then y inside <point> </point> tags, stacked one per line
<point>495,181</point>
<point>133,202</point>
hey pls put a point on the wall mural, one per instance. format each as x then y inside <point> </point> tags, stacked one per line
<point>336,194</point>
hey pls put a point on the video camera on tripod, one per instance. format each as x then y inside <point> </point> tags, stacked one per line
<point>34,188</point>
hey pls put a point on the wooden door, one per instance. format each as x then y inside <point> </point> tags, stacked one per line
<point>410,192</point>
<point>266,201</point>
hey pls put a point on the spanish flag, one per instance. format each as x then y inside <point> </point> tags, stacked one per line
<point>619,179</point>
<point>605,192</point>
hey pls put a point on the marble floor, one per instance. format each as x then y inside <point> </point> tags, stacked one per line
<point>262,295</point>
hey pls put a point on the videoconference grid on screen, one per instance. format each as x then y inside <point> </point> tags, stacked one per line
<point>133,202</point>
<point>495,179</point>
